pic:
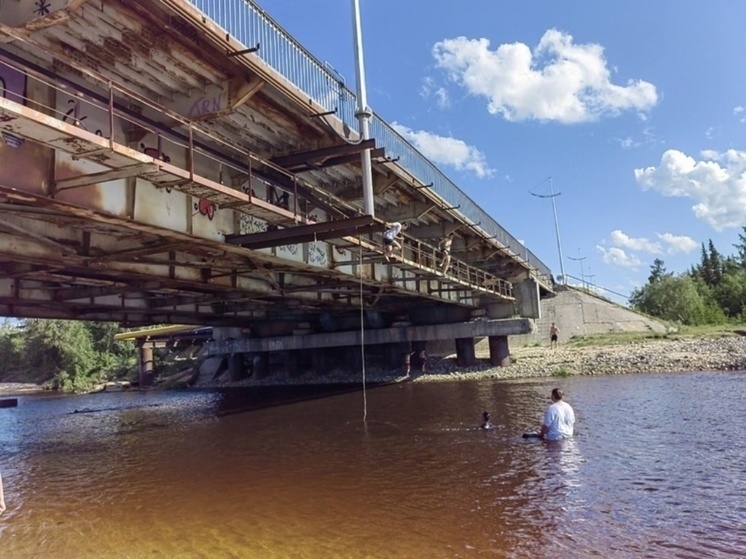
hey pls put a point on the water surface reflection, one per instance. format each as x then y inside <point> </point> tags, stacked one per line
<point>650,473</point>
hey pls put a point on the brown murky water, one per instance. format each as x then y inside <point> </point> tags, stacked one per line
<point>657,470</point>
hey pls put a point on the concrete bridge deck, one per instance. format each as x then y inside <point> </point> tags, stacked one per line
<point>161,164</point>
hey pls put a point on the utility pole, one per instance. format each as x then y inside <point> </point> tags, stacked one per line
<point>552,195</point>
<point>580,259</point>
<point>363,113</point>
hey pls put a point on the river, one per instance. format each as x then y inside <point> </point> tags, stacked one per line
<point>657,469</point>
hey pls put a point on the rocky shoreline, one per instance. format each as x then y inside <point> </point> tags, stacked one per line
<point>648,356</point>
<point>658,355</point>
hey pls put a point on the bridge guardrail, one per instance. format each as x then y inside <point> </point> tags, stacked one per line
<point>251,25</point>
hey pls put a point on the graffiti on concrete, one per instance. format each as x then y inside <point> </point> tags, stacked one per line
<point>12,87</point>
<point>42,7</point>
<point>206,208</point>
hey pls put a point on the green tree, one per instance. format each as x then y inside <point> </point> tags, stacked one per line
<point>657,271</point>
<point>678,299</point>
<point>62,349</point>
<point>741,249</point>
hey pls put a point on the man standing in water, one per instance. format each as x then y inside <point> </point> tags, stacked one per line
<point>559,419</point>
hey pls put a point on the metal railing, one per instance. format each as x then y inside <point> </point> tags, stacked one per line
<point>250,25</point>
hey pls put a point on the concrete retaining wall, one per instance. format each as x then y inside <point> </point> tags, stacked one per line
<point>579,313</point>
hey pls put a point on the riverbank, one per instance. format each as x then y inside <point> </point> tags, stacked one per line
<point>652,355</point>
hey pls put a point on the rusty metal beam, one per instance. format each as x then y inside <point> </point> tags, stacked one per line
<point>308,233</point>
<point>106,176</point>
<point>287,161</point>
<point>68,294</point>
<point>41,239</point>
<point>137,252</point>
<point>335,161</point>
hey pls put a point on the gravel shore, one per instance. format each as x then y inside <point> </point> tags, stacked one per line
<point>648,356</point>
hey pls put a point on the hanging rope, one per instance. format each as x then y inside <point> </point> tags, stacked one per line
<point>362,331</point>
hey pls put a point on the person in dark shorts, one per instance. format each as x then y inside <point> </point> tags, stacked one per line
<point>553,335</point>
<point>389,238</point>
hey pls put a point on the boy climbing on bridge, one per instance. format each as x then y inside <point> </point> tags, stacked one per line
<point>390,238</point>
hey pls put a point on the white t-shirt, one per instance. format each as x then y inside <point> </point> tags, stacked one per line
<point>560,418</point>
<point>392,231</point>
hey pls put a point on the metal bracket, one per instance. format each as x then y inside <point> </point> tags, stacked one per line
<point>240,52</point>
<point>327,113</point>
<point>423,186</point>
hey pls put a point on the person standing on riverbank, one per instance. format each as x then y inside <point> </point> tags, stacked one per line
<point>553,335</point>
<point>559,419</point>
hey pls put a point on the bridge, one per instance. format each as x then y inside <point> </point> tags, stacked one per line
<point>189,162</point>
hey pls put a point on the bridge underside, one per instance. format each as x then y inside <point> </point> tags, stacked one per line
<point>153,170</point>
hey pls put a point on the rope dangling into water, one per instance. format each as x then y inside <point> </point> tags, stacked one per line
<point>362,331</point>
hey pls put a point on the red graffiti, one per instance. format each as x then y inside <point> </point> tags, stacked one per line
<point>205,207</point>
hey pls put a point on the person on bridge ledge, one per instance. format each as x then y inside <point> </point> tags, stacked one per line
<point>390,238</point>
<point>445,251</point>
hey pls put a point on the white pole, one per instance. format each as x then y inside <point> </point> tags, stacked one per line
<point>556,227</point>
<point>363,112</point>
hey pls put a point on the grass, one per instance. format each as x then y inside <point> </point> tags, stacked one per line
<point>674,333</point>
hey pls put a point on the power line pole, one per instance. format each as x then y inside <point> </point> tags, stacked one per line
<point>580,259</point>
<point>363,111</point>
<point>552,195</point>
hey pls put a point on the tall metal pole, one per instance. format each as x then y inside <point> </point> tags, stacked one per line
<point>582,273</point>
<point>552,195</point>
<point>363,113</point>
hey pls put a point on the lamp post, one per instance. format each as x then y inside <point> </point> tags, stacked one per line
<point>363,113</point>
<point>552,195</point>
<point>582,274</point>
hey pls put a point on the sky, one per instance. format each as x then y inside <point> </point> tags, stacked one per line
<point>632,114</point>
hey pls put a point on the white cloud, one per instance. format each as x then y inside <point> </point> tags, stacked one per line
<point>710,133</point>
<point>628,142</point>
<point>717,184</point>
<point>558,81</point>
<point>739,113</point>
<point>429,88</point>
<point>678,243</point>
<point>618,257</point>
<point>447,151</point>
<point>619,239</point>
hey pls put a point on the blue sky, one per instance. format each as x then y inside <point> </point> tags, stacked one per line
<point>635,109</point>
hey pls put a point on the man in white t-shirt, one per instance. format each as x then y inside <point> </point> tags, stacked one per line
<point>559,419</point>
<point>390,238</point>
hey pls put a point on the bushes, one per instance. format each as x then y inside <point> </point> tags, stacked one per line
<point>72,356</point>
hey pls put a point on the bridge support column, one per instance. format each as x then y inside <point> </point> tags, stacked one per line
<point>236,368</point>
<point>398,355</point>
<point>419,356</point>
<point>499,351</point>
<point>527,298</point>
<point>354,359</point>
<point>465,353</point>
<point>319,362</point>
<point>260,366</point>
<point>146,366</point>
<point>293,363</point>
